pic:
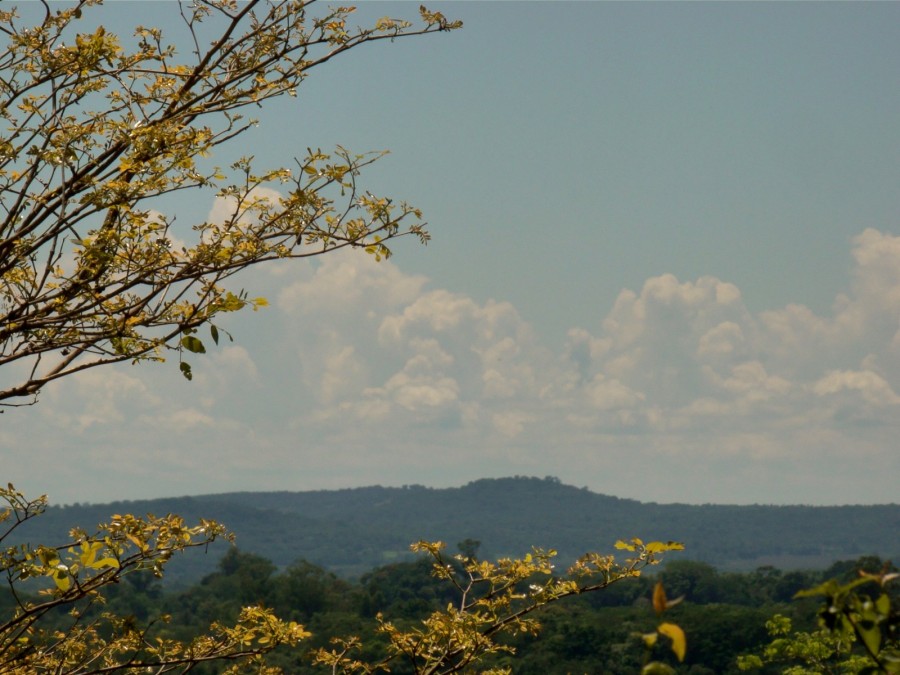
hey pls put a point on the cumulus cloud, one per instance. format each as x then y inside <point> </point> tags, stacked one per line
<point>113,395</point>
<point>369,371</point>
<point>226,208</point>
<point>692,348</point>
<point>873,388</point>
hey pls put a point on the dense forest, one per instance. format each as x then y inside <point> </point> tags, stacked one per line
<point>339,564</point>
<point>350,532</point>
<point>724,614</point>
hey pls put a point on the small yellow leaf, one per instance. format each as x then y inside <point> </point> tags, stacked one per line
<point>60,576</point>
<point>679,642</point>
<point>659,598</point>
<point>88,552</point>
<point>105,562</point>
<point>663,546</point>
<point>142,545</point>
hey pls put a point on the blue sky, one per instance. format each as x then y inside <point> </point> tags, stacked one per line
<point>665,265</point>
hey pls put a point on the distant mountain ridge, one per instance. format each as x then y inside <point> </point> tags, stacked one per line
<point>351,531</point>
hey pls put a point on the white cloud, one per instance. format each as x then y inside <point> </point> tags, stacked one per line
<point>606,394</point>
<point>342,374</point>
<point>724,340</point>
<point>233,362</point>
<point>872,387</point>
<point>226,208</point>
<point>112,394</point>
<point>187,419</point>
<point>510,423</point>
<point>365,372</point>
<point>421,392</point>
<point>751,380</point>
<point>348,284</point>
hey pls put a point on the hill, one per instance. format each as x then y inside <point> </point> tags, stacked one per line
<point>351,531</point>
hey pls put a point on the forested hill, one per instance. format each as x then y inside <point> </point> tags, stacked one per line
<point>351,531</point>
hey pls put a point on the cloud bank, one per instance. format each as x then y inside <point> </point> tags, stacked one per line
<point>364,374</point>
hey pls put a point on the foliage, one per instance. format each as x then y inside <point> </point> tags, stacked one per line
<point>494,601</point>
<point>98,128</point>
<point>66,623</point>
<point>849,614</point>
<point>817,651</point>
<point>848,619</point>
<point>670,630</point>
<point>599,633</point>
<point>87,640</point>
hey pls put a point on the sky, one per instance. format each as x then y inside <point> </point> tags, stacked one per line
<point>665,266</point>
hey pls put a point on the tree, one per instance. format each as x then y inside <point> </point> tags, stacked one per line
<point>97,130</point>
<point>63,630</point>
<point>92,270</point>
<point>802,652</point>
<point>859,632</point>
<point>494,602</point>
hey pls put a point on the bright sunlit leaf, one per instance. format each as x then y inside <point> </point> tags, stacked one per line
<point>679,642</point>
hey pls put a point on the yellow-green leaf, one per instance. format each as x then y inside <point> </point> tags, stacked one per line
<point>60,577</point>
<point>659,598</point>
<point>105,562</point>
<point>663,546</point>
<point>193,344</point>
<point>679,642</point>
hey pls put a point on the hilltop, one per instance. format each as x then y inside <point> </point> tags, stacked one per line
<point>351,531</point>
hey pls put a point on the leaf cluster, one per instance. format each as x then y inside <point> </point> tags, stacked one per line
<point>495,600</point>
<point>89,640</point>
<point>97,129</point>
<point>858,632</point>
<point>849,614</point>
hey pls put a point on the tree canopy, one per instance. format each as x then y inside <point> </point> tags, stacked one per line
<point>98,128</point>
